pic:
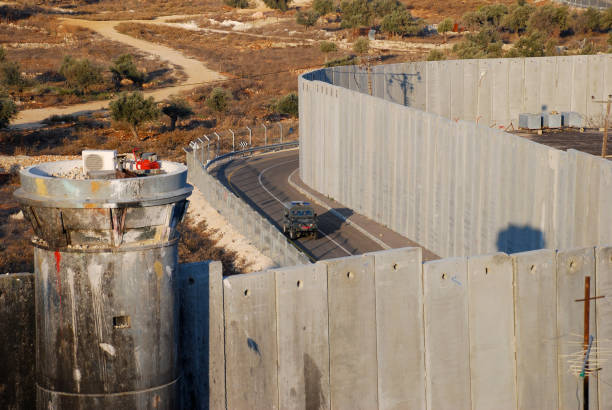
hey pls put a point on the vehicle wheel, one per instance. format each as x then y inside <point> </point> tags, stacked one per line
<point>292,235</point>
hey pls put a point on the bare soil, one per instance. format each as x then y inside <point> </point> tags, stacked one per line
<point>589,141</point>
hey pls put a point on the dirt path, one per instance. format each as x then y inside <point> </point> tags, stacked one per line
<point>196,72</point>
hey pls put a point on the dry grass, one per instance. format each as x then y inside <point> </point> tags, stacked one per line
<point>16,254</point>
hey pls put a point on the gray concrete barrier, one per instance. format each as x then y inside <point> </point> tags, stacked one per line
<point>264,236</point>
<point>413,157</point>
<point>384,330</point>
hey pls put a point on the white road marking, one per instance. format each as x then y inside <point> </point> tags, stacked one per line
<point>281,202</point>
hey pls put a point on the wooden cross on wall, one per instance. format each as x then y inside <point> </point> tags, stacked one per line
<point>587,338</point>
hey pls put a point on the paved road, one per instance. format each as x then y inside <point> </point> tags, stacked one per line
<point>263,182</point>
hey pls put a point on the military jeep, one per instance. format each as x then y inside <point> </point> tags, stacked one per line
<point>299,220</point>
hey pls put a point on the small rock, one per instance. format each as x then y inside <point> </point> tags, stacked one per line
<point>17,217</point>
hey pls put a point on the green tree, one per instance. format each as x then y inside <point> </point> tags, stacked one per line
<point>534,44</point>
<point>484,44</point>
<point>606,20</point>
<point>323,7</point>
<point>287,105</point>
<point>10,73</point>
<point>80,74</point>
<point>516,20</point>
<point>549,19</point>
<point>445,26</point>
<point>125,68</point>
<point>490,15</point>
<point>593,19</point>
<point>239,4</point>
<point>401,22</point>
<point>218,99</point>
<point>176,108</point>
<point>307,18</point>
<point>328,46</point>
<point>134,110</point>
<point>383,7</point>
<point>361,45</point>
<point>356,13</point>
<point>436,55</point>
<point>282,5</point>
<point>8,110</point>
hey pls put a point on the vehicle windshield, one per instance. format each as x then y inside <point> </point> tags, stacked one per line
<point>302,213</point>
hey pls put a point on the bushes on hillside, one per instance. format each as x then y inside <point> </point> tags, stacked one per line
<point>323,7</point>
<point>80,74</point>
<point>484,44</point>
<point>535,44</point>
<point>134,110</point>
<point>218,99</point>
<point>239,4</point>
<point>356,13</point>
<point>282,5</point>
<point>400,22</point>
<point>307,18</point>
<point>10,74</point>
<point>125,68</point>
<point>8,110</point>
<point>287,105</point>
<point>436,55</point>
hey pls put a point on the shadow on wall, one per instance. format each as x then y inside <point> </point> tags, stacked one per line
<point>520,239</point>
<point>405,83</point>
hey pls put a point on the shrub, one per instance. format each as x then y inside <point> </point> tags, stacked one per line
<point>484,44</point>
<point>383,7</point>
<point>445,26</point>
<point>361,45</point>
<point>2,54</point>
<point>80,74</point>
<point>176,108</point>
<point>592,18</point>
<point>549,19</point>
<point>533,45</point>
<point>436,55</point>
<point>610,38</point>
<point>287,105</point>
<point>517,18</point>
<point>401,22</point>
<point>239,4</point>
<point>10,73</point>
<point>323,7</point>
<point>489,15</point>
<point>356,13</point>
<point>218,99</point>
<point>349,60</point>
<point>307,18</point>
<point>328,46</point>
<point>606,20</point>
<point>281,5</point>
<point>134,110</point>
<point>8,110</point>
<point>125,68</point>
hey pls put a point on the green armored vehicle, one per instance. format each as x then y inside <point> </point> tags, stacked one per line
<point>300,219</point>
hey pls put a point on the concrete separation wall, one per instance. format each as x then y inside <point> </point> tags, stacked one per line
<point>383,330</point>
<point>455,186</point>
<point>265,237</point>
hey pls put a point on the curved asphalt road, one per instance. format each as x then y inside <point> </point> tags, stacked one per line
<point>263,182</point>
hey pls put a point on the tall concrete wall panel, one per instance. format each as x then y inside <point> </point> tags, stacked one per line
<point>430,158</point>
<point>381,330</point>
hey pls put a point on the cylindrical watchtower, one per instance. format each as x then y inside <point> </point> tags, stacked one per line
<point>105,257</point>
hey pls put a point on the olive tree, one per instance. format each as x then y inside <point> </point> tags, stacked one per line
<point>134,110</point>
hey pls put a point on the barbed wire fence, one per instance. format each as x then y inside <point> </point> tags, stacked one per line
<point>223,141</point>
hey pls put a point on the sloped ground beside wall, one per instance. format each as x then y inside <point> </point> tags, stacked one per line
<point>456,187</point>
<point>262,233</point>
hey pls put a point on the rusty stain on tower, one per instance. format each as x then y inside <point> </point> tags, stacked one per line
<point>105,257</point>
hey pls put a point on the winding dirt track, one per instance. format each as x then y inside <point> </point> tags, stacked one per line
<point>195,71</point>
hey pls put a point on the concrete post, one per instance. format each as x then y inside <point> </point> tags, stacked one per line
<point>233,140</point>
<point>105,257</point>
<point>265,134</point>
<point>218,143</point>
